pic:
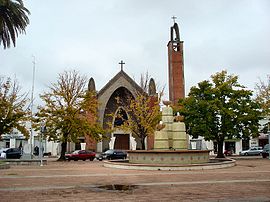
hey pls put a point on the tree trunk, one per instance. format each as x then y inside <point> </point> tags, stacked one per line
<point>63,151</point>
<point>220,149</point>
<point>143,143</point>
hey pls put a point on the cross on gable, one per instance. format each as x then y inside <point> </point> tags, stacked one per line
<point>122,64</point>
<point>174,18</point>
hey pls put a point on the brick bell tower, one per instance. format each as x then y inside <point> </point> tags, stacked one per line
<point>176,66</point>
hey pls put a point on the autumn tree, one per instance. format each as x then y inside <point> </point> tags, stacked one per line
<point>143,111</point>
<point>221,109</point>
<point>13,21</point>
<point>13,112</point>
<point>68,105</point>
<point>263,97</point>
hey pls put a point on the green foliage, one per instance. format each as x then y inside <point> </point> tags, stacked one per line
<point>70,110</point>
<point>221,109</point>
<point>13,21</point>
<point>12,107</point>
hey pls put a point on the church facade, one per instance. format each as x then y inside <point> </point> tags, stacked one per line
<point>111,112</point>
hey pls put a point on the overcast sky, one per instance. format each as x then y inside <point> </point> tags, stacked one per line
<point>93,36</point>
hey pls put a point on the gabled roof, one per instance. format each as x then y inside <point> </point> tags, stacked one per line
<point>117,77</point>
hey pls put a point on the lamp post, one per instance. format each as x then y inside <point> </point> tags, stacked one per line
<point>42,130</point>
<point>32,102</point>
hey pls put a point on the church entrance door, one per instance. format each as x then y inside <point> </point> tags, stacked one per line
<point>121,141</point>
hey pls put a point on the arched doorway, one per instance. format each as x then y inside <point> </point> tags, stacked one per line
<point>122,139</point>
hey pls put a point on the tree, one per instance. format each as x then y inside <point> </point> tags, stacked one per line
<point>221,109</point>
<point>143,111</point>
<point>12,107</point>
<point>13,21</point>
<point>263,97</point>
<point>68,106</point>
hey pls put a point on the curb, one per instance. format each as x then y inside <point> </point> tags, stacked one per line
<point>226,163</point>
<point>24,162</point>
<point>4,166</point>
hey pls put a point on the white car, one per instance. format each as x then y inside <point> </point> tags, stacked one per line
<point>252,151</point>
<point>3,154</point>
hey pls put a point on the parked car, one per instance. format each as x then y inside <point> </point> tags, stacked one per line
<point>265,151</point>
<point>3,153</point>
<point>252,151</point>
<point>228,152</point>
<point>11,153</point>
<point>81,155</point>
<point>112,154</point>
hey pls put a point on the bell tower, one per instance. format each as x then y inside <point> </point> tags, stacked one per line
<point>176,66</point>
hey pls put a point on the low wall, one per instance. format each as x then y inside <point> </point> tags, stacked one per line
<point>168,157</point>
<point>4,166</point>
<point>24,162</point>
<point>212,164</point>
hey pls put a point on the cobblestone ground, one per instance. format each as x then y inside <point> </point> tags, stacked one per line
<point>249,180</point>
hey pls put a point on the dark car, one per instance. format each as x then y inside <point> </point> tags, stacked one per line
<point>265,151</point>
<point>112,154</point>
<point>81,155</point>
<point>12,153</point>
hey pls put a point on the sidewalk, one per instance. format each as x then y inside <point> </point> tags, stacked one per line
<point>249,180</point>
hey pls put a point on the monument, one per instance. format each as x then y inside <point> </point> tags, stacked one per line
<point>173,135</point>
<point>170,145</point>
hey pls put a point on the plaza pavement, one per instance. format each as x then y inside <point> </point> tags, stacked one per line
<point>249,180</point>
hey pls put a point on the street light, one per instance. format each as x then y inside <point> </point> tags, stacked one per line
<point>32,102</point>
<point>42,130</point>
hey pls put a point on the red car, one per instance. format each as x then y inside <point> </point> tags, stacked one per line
<point>81,155</point>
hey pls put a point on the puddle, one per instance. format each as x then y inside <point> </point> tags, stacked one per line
<point>12,174</point>
<point>117,187</point>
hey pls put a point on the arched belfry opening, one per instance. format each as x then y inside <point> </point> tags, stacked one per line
<point>175,37</point>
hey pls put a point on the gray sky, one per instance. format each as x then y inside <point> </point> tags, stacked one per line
<point>93,36</point>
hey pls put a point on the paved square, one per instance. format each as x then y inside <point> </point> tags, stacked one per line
<point>249,180</point>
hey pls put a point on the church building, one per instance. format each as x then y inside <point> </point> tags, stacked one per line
<point>111,111</point>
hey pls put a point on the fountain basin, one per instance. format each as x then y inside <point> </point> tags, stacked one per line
<point>168,157</point>
<point>212,164</point>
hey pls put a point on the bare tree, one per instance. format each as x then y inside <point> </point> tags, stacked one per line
<point>263,95</point>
